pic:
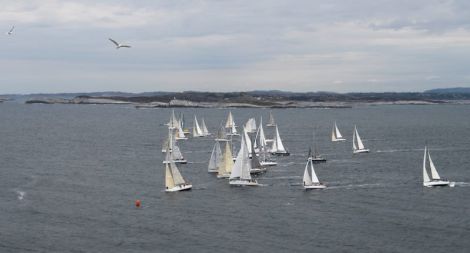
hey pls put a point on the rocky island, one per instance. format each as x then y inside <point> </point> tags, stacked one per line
<point>260,99</point>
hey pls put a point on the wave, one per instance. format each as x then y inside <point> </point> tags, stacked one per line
<point>461,184</point>
<point>351,186</point>
<point>20,194</point>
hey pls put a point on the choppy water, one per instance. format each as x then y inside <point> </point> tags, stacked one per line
<point>69,176</point>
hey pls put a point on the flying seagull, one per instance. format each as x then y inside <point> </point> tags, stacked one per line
<point>118,45</point>
<point>11,30</point>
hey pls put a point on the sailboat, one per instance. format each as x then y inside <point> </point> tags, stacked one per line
<point>179,132</point>
<point>256,166</point>
<point>240,175</point>
<point>359,148</point>
<point>173,180</point>
<point>173,123</point>
<point>226,164</point>
<point>205,132</point>
<point>250,125</point>
<point>271,122</point>
<point>182,122</point>
<point>277,146</point>
<point>221,134</point>
<point>335,134</point>
<point>435,179</point>
<point>230,125</point>
<point>197,132</point>
<point>215,159</point>
<point>174,150</point>
<point>310,179</point>
<point>262,146</point>
<point>317,158</point>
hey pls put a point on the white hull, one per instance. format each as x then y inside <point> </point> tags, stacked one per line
<point>358,151</point>
<point>212,171</point>
<point>268,163</point>
<point>437,183</point>
<point>221,139</point>
<point>178,188</point>
<point>223,176</point>
<point>270,125</point>
<point>181,138</point>
<point>341,139</point>
<point>177,161</point>
<point>230,134</point>
<point>315,186</point>
<point>240,182</point>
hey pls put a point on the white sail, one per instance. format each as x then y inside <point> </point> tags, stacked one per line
<point>434,174</point>
<point>226,164</point>
<point>307,180</point>
<point>172,175</point>
<point>254,159</point>
<point>233,129</point>
<point>250,125</point>
<point>177,178</point>
<point>216,156</point>
<point>260,136</point>
<point>360,145</point>
<point>229,122</point>
<point>425,173</point>
<point>197,132</point>
<point>271,120</point>
<point>354,139</point>
<point>247,140</point>
<point>204,131</point>
<point>241,168</point>
<point>176,153</point>
<point>338,134</point>
<point>279,145</point>
<point>179,132</point>
<point>314,175</point>
<point>173,123</point>
<point>221,134</point>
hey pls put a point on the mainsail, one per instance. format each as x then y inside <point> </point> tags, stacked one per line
<point>204,131</point>
<point>197,132</point>
<point>215,159</point>
<point>271,121</point>
<point>226,164</point>
<point>241,168</point>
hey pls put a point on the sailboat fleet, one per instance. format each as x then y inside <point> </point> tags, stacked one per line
<point>256,153</point>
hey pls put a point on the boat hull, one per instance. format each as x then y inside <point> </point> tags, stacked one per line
<point>221,139</point>
<point>179,188</point>
<point>281,153</point>
<point>223,176</point>
<point>270,125</point>
<point>212,171</point>
<point>358,151</point>
<point>314,186</point>
<point>436,183</point>
<point>177,161</point>
<point>268,163</point>
<point>319,160</point>
<point>257,171</point>
<point>336,140</point>
<point>238,182</point>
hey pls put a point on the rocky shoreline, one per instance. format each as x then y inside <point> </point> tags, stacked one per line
<point>272,104</point>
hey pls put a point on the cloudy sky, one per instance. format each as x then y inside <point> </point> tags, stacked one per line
<point>231,45</point>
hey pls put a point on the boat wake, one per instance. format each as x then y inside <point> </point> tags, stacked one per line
<point>281,178</point>
<point>460,184</point>
<point>352,186</point>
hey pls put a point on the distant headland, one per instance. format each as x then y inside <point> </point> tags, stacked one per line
<point>256,99</point>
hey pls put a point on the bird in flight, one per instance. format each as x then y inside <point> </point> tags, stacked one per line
<point>118,45</point>
<point>11,30</point>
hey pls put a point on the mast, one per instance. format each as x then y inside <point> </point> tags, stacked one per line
<point>242,167</point>
<point>354,139</point>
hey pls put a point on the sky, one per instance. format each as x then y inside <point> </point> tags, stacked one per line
<point>234,45</point>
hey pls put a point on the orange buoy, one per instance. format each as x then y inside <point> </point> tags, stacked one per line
<point>137,203</point>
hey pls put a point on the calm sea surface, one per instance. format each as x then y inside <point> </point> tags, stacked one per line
<point>69,176</point>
